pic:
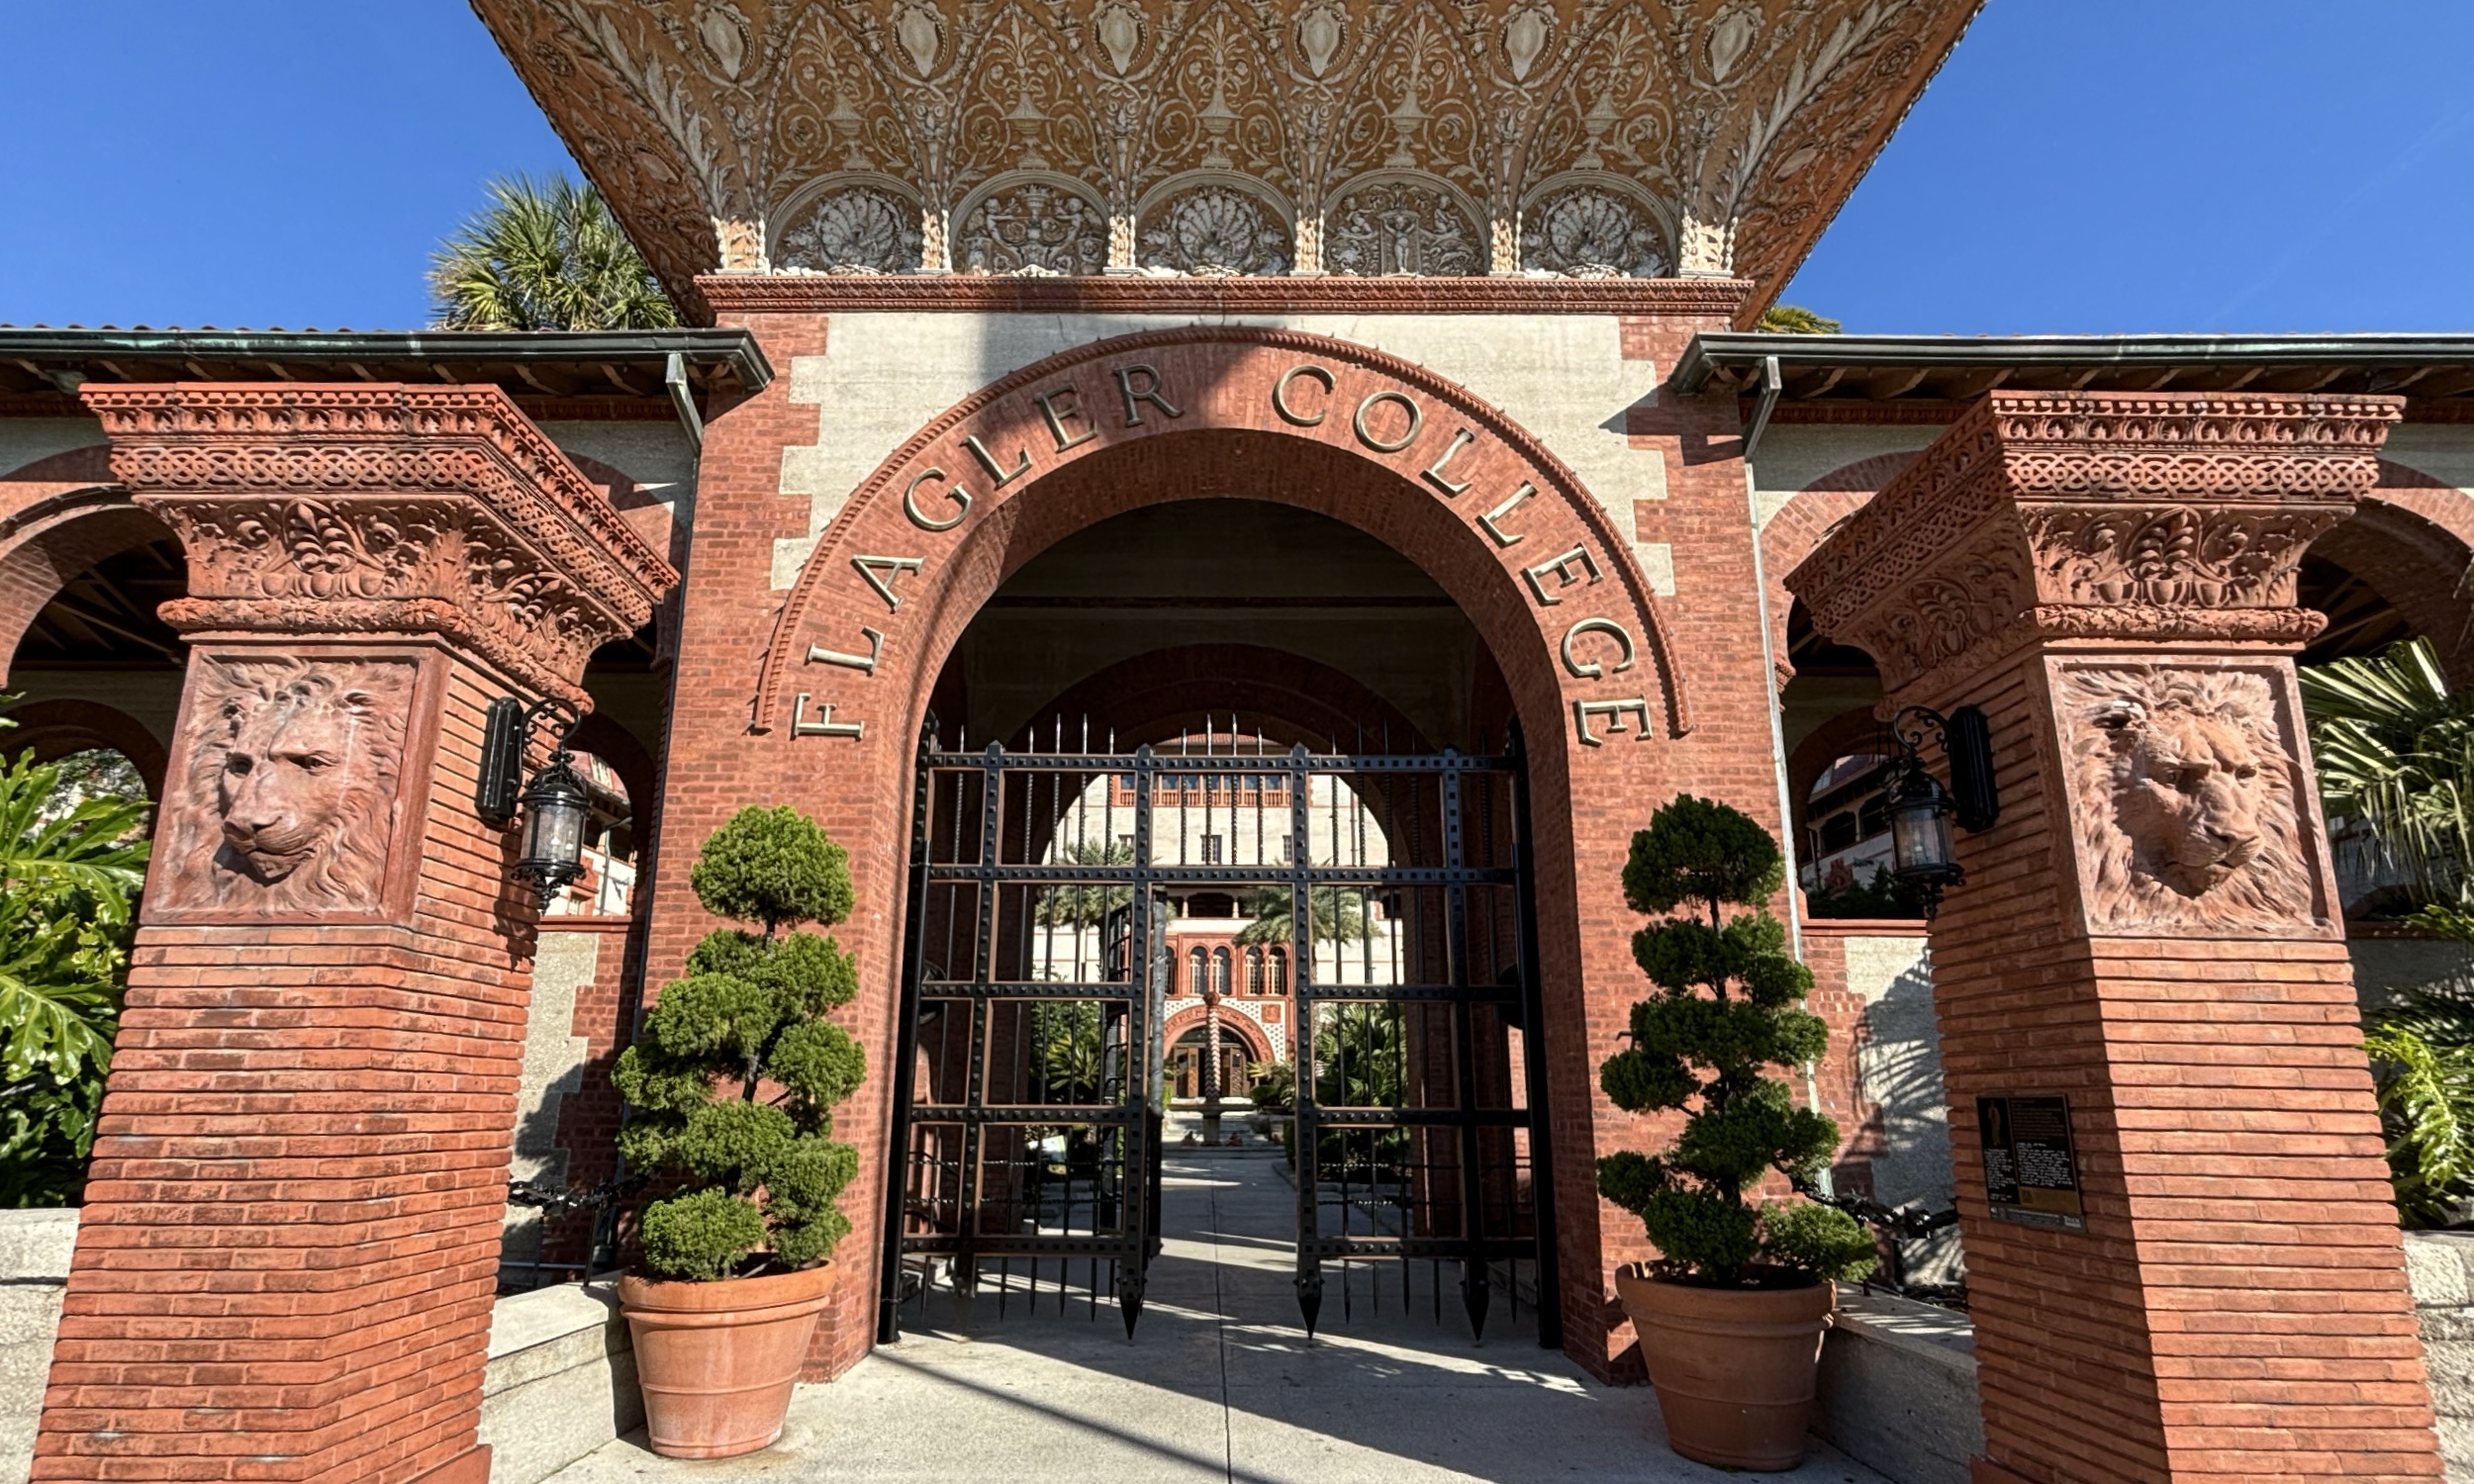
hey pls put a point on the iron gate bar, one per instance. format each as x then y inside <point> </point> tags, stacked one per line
<point>1533,1050</point>
<point>1402,1189</point>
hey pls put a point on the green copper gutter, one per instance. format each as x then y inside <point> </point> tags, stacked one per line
<point>1737,358</point>
<point>715,353</point>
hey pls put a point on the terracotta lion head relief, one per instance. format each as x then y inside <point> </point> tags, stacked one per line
<point>287,804</point>
<point>2183,798</point>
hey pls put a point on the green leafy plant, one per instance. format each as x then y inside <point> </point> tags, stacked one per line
<point>1332,916</point>
<point>545,255</point>
<point>1725,1007</point>
<point>731,1086</point>
<point>2395,751</point>
<point>1795,320</point>
<point>71,864</point>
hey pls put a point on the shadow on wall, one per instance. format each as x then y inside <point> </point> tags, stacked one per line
<point>1898,1068</point>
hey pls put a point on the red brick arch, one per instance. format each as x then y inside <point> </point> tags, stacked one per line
<point>1337,443</point>
<point>53,729</point>
<point>58,517</point>
<point>1799,525</point>
<point>2411,541</point>
<point>1234,1024</point>
<point>1308,408</point>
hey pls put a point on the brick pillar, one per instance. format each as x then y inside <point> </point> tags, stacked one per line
<point>2151,931</point>
<point>286,1264</point>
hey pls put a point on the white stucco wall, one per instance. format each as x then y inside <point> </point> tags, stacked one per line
<point>1562,377</point>
<point>553,1067</point>
<point>1898,1068</point>
<point>1792,456</point>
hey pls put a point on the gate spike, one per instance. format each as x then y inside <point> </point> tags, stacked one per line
<point>1129,1297</point>
<point>1473,1293</point>
<point>1310,1300</point>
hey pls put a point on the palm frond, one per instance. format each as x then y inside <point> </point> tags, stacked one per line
<point>545,255</point>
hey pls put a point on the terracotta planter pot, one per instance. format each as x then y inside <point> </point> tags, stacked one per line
<point>1734,1367</point>
<point>717,1360</point>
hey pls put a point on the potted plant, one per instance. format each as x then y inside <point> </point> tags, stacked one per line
<point>731,1088</point>
<point>1732,1312</point>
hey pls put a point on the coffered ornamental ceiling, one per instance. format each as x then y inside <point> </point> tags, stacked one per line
<point>1228,136</point>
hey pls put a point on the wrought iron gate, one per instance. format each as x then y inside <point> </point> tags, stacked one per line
<point>1388,931</point>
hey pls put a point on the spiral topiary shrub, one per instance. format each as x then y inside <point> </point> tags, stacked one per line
<point>1726,1006</point>
<point>732,1087</point>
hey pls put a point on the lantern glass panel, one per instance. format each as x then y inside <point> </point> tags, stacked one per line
<point>554,829</point>
<point>1920,836</point>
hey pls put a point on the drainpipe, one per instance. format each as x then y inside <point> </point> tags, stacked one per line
<point>1771,384</point>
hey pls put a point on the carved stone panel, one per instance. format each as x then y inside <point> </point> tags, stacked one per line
<point>2185,786</point>
<point>1400,227</point>
<point>856,230</point>
<point>1215,231</point>
<point>291,789</point>
<point>1036,230</point>
<point>1589,232</point>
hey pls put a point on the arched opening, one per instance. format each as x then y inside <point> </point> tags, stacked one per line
<point>95,667</point>
<point>1187,664</point>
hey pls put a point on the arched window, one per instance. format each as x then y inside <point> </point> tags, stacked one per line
<point>1202,973</point>
<point>1254,970</point>
<point>1279,970</point>
<point>1219,971</point>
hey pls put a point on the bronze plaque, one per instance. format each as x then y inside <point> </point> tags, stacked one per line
<point>2030,1176</point>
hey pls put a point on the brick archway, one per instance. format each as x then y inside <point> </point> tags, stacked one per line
<point>1234,1024</point>
<point>2412,543</point>
<point>53,729</point>
<point>58,517</point>
<point>1799,525</point>
<point>908,561</point>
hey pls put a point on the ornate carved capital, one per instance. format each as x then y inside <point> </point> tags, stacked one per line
<point>2096,515</point>
<point>383,509</point>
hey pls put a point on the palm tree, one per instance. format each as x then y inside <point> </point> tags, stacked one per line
<point>545,255</point>
<point>2395,749</point>
<point>1085,905</point>
<point>1332,916</point>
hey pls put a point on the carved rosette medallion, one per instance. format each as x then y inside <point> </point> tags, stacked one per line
<point>2184,787</point>
<point>861,229</point>
<point>2072,516</point>
<point>291,791</point>
<point>1398,227</point>
<point>361,512</point>
<point>1034,230</point>
<point>1589,232</point>
<point>1216,231</point>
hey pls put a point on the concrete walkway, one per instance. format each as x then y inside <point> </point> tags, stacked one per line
<point>1219,1384</point>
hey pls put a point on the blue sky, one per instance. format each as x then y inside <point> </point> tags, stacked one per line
<point>2079,165</point>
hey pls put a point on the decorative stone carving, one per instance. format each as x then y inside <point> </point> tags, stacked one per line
<point>1216,231</point>
<point>2182,795</point>
<point>1400,227</point>
<point>2085,515</point>
<point>861,229</point>
<point>1758,112</point>
<point>1588,231</point>
<point>1036,230</point>
<point>289,802</point>
<point>321,509</point>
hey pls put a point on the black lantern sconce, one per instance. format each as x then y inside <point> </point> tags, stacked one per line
<point>554,805</point>
<point>1922,853</point>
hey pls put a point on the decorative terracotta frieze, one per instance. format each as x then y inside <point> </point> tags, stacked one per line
<point>367,510</point>
<point>733,295</point>
<point>2096,515</point>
